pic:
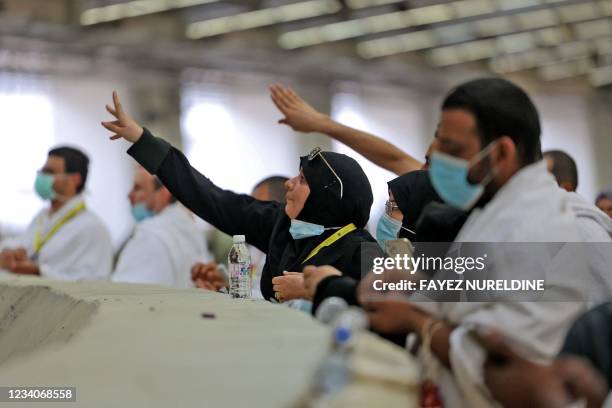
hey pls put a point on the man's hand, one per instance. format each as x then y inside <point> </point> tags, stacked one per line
<point>313,275</point>
<point>299,115</point>
<point>207,276</point>
<point>124,127</point>
<point>10,258</point>
<point>515,381</point>
<point>26,267</point>
<point>7,259</point>
<point>394,316</point>
<point>289,286</point>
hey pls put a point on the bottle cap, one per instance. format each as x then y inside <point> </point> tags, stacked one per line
<point>239,239</point>
<point>342,335</point>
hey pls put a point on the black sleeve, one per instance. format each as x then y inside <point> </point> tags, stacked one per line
<point>340,286</point>
<point>230,212</point>
<point>363,259</point>
<point>590,337</point>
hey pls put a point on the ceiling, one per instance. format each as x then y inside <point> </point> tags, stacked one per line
<point>548,40</point>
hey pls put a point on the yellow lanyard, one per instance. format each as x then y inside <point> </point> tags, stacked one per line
<point>39,241</point>
<point>347,229</point>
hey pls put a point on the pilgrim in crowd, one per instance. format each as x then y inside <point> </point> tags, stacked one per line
<point>166,241</point>
<point>484,179</point>
<point>65,240</point>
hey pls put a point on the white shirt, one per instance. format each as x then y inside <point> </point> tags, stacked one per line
<point>529,208</point>
<point>595,229</point>
<point>80,250</point>
<point>258,259</point>
<point>162,250</point>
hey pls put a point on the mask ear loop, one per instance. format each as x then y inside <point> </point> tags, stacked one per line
<point>481,155</point>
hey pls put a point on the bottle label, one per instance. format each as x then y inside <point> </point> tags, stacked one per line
<point>240,279</point>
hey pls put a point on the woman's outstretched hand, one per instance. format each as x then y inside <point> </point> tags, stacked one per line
<point>299,115</point>
<point>124,127</point>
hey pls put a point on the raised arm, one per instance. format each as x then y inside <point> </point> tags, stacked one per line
<point>230,212</point>
<point>302,117</point>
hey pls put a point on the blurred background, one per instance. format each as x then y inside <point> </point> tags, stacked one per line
<point>196,72</point>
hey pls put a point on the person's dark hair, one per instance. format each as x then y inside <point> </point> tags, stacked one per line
<point>276,187</point>
<point>75,162</point>
<point>604,194</point>
<point>563,168</point>
<point>501,109</point>
<point>158,184</point>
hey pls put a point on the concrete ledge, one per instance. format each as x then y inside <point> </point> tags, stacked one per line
<point>152,346</point>
<point>32,316</point>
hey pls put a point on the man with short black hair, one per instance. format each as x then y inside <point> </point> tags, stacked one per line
<point>563,167</point>
<point>487,158</point>
<point>166,239</point>
<point>65,240</point>
<point>271,189</point>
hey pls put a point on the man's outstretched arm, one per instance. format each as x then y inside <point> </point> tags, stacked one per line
<point>302,117</point>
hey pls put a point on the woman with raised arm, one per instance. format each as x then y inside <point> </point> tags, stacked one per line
<point>322,223</point>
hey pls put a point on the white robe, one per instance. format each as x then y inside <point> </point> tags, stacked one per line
<point>595,228</point>
<point>80,250</point>
<point>529,208</point>
<point>258,259</point>
<point>162,250</point>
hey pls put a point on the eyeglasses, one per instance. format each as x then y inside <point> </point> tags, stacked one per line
<point>317,152</point>
<point>391,206</point>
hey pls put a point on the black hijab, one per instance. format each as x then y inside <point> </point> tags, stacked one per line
<point>412,192</point>
<point>324,205</point>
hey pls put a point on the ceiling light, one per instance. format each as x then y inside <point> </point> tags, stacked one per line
<point>398,44</point>
<point>601,76</point>
<point>593,29</point>
<point>555,72</point>
<point>516,4</point>
<point>134,8</point>
<point>536,19</point>
<point>470,8</point>
<point>262,18</point>
<point>578,12</point>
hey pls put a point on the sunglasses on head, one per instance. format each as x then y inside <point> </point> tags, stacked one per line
<point>317,152</point>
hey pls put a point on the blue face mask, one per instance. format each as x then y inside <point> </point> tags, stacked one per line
<point>140,212</point>
<point>449,177</point>
<point>44,186</point>
<point>387,229</point>
<point>302,229</point>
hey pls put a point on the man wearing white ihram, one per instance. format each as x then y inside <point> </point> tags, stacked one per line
<point>66,240</point>
<point>166,241</point>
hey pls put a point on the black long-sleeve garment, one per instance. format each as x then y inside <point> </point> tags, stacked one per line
<point>265,224</point>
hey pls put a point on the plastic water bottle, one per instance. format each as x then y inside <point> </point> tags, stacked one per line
<point>239,263</point>
<point>330,309</point>
<point>346,327</point>
<point>334,373</point>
